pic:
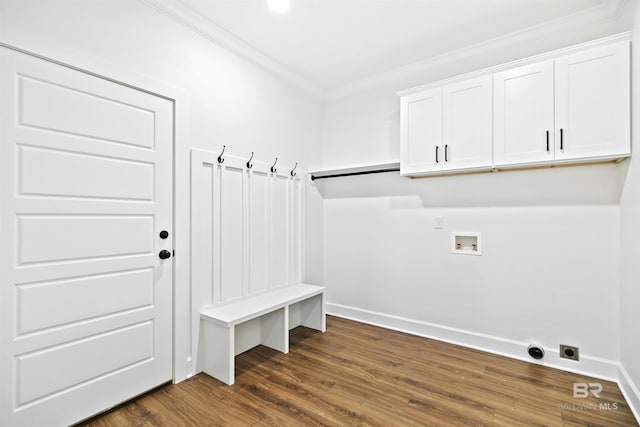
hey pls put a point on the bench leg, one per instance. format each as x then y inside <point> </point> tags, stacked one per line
<point>217,353</point>
<point>274,330</point>
<point>312,313</point>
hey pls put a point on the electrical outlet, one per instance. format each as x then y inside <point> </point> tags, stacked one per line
<point>569,352</point>
<point>438,223</point>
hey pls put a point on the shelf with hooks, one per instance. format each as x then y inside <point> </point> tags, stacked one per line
<point>356,170</point>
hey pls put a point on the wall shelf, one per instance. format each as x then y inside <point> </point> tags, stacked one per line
<point>355,170</point>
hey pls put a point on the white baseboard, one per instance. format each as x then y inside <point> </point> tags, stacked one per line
<point>629,391</point>
<point>588,365</point>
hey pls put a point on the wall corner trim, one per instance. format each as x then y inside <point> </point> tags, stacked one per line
<point>591,366</point>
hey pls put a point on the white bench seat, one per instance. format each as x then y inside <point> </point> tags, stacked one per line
<point>249,308</point>
<point>230,329</point>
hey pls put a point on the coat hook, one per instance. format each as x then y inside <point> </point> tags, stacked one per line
<point>220,158</point>
<point>249,165</point>
<point>293,171</point>
<point>273,167</point>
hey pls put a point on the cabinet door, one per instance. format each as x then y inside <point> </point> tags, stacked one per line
<point>523,114</point>
<point>466,118</point>
<point>420,131</point>
<point>592,103</point>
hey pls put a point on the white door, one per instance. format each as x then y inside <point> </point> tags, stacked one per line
<point>523,114</point>
<point>421,132</point>
<point>592,103</point>
<point>466,118</point>
<point>86,189</point>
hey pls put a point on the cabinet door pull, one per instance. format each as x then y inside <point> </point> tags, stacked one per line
<point>446,150</point>
<point>437,147</point>
<point>561,139</point>
<point>547,140</point>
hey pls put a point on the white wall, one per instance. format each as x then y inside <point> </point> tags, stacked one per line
<point>629,240</point>
<point>551,236</point>
<point>549,272</point>
<point>221,99</point>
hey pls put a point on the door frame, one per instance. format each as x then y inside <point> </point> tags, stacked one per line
<point>181,304</point>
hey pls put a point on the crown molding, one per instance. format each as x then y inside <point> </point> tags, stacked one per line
<point>607,10</point>
<point>626,36</point>
<point>180,13</point>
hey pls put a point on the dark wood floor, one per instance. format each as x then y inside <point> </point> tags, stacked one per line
<point>356,374</point>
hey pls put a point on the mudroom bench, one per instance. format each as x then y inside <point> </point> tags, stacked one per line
<point>230,329</point>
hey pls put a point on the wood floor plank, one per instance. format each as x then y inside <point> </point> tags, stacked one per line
<point>358,374</point>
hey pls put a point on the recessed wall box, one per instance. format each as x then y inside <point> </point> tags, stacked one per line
<point>569,352</point>
<point>535,351</point>
<point>466,243</point>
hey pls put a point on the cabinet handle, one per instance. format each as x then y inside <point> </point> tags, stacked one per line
<point>437,147</point>
<point>561,139</point>
<point>547,140</point>
<point>446,150</point>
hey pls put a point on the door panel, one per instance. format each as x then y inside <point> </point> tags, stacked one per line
<point>57,107</point>
<point>592,102</point>
<point>421,131</point>
<point>47,238</point>
<point>98,295</point>
<point>86,188</point>
<point>523,114</point>
<point>43,373</point>
<point>467,124</point>
<point>84,175</point>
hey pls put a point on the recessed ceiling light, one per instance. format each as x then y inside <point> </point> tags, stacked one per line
<point>279,6</point>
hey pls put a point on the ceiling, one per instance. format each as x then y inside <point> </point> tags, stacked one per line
<point>333,43</point>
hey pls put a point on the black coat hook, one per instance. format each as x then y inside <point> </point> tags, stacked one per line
<point>220,158</point>
<point>249,165</point>
<point>273,167</point>
<point>293,171</point>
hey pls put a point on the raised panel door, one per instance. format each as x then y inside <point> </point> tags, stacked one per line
<point>86,187</point>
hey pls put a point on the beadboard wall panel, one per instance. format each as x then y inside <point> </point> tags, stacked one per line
<point>246,226</point>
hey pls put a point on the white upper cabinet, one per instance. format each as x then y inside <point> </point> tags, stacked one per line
<point>466,124</point>
<point>523,114</point>
<point>571,108</point>
<point>447,128</point>
<point>420,131</point>
<point>593,103</point>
